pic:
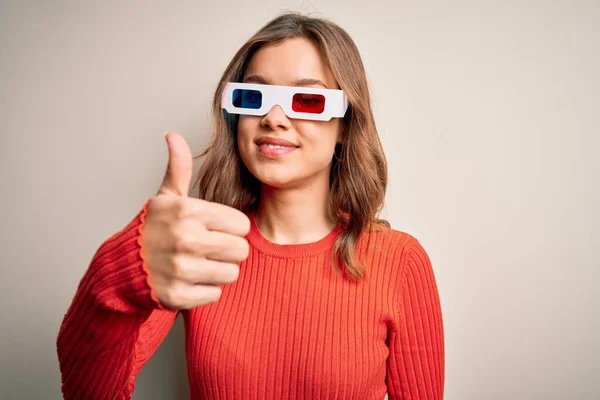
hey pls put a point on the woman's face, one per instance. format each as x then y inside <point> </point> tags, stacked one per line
<point>310,145</point>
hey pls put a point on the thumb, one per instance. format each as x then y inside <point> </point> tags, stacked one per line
<point>179,170</point>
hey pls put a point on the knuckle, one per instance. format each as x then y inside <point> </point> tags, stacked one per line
<point>205,243</point>
<point>202,240</point>
<point>183,238</point>
<point>207,215</point>
<point>172,297</point>
<point>181,209</point>
<point>200,208</point>
<point>178,267</point>
<point>180,242</point>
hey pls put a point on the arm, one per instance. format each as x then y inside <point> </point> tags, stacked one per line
<point>415,368</point>
<point>114,323</point>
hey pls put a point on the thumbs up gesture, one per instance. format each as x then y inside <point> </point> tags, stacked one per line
<point>191,246</point>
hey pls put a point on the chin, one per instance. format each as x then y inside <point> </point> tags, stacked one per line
<point>293,175</point>
<point>277,179</point>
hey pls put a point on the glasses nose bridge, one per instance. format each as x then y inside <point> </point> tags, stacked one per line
<point>276,117</point>
<point>275,106</point>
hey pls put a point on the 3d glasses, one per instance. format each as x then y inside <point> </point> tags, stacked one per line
<point>296,102</point>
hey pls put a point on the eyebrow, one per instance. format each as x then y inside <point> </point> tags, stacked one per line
<point>301,82</point>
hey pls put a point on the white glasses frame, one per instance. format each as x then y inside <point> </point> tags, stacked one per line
<point>336,102</point>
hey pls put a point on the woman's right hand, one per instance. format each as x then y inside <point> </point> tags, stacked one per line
<point>190,246</point>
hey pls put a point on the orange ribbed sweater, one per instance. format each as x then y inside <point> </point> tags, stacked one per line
<point>290,327</point>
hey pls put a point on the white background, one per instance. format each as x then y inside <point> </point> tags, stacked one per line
<point>488,112</point>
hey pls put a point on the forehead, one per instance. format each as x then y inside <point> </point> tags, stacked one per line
<point>290,61</point>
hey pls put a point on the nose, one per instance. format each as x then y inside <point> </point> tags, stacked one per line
<point>275,119</point>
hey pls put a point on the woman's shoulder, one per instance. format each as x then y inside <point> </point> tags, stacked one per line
<point>391,243</point>
<point>384,233</point>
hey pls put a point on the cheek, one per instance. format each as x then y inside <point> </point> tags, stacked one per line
<point>244,129</point>
<point>320,138</point>
<point>245,135</point>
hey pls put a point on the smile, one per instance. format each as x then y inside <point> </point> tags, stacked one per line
<point>271,147</point>
<point>274,151</point>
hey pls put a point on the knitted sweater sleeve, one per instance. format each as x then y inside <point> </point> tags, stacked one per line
<point>114,323</point>
<point>415,368</point>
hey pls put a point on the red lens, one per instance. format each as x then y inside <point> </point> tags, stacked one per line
<point>308,103</point>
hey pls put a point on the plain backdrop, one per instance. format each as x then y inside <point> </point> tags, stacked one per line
<point>489,116</point>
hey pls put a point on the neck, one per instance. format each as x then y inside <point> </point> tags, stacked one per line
<point>294,216</point>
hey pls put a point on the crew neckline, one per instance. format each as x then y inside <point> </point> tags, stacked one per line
<point>257,240</point>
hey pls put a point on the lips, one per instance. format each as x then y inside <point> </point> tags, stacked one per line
<point>271,147</point>
<point>266,140</point>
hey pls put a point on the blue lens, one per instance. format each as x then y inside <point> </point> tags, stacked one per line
<point>246,98</point>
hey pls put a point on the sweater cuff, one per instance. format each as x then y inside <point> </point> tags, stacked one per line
<point>118,273</point>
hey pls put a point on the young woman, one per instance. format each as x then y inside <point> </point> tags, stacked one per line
<point>289,285</point>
